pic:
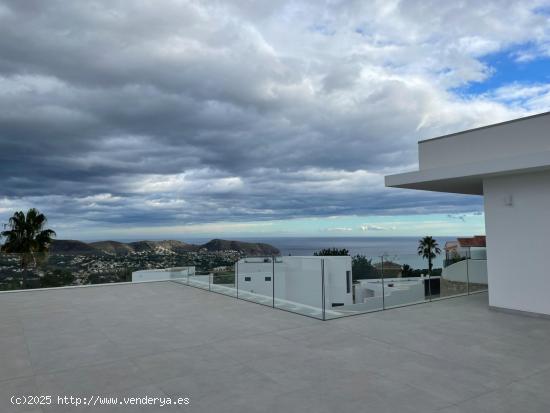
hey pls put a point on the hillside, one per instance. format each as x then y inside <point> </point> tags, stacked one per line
<point>167,246</point>
<point>256,248</point>
<point>112,247</point>
<point>73,247</point>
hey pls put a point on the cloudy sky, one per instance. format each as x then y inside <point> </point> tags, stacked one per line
<point>173,118</point>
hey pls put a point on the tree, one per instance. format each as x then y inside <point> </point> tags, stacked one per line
<point>57,278</point>
<point>28,238</point>
<point>406,270</point>
<point>428,249</point>
<point>331,252</point>
<point>362,268</point>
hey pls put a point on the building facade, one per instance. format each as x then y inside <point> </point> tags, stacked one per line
<point>509,165</point>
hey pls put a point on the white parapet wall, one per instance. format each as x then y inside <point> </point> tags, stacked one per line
<point>162,274</point>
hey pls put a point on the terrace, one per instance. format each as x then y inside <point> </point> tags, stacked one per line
<point>166,338</point>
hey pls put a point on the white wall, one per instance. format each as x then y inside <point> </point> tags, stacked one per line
<point>302,281</point>
<point>518,241</point>
<point>256,269</point>
<point>336,280</point>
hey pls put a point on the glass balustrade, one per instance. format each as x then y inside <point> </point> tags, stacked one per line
<point>298,285</point>
<point>255,279</point>
<point>320,287</point>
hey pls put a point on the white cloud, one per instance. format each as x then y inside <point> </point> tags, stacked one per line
<point>372,227</point>
<point>218,111</point>
<point>339,229</point>
<point>185,183</point>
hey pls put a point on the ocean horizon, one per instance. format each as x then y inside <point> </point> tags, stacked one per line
<point>402,250</point>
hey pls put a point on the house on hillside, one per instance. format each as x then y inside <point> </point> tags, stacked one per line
<point>389,269</point>
<point>466,248</point>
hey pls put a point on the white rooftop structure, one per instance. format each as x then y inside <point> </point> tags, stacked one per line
<point>461,161</point>
<point>509,164</point>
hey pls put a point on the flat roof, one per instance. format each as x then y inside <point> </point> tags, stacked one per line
<point>492,125</point>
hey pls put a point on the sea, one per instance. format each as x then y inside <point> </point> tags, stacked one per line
<point>402,250</point>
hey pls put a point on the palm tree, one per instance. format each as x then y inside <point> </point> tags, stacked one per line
<point>26,236</point>
<point>429,249</point>
<point>406,270</point>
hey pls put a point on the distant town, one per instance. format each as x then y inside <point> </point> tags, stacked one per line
<point>72,262</point>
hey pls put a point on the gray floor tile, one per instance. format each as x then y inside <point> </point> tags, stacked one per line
<point>166,339</point>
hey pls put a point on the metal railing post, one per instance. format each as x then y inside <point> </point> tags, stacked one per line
<point>273,279</point>
<point>430,283</point>
<point>323,287</point>
<point>383,292</point>
<point>467,276</point>
<point>237,277</point>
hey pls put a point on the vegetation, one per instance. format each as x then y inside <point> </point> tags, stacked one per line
<point>28,238</point>
<point>113,276</point>
<point>428,248</point>
<point>226,277</point>
<point>57,278</point>
<point>407,271</point>
<point>362,268</point>
<point>331,252</point>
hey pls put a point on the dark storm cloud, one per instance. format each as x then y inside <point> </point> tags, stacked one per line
<point>176,112</point>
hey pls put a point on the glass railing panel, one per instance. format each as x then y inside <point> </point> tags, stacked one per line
<point>406,282</point>
<point>451,281</point>
<point>360,291</point>
<point>255,279</point>
<point>200,280</point>
<point>477,275</point>
<point>224,281</point>
<point>298,285</point>
<point>320,287</point>
<point>180,274</point>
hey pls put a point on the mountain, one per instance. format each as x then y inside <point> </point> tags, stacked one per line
<point>112,247</point>
<point>256,248</point>
<point>168,246</point>
<point>73,247</point>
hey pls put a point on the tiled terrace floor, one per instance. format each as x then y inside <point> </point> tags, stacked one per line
<point>228,355</point>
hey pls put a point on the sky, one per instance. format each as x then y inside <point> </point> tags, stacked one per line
<point>179,119</point>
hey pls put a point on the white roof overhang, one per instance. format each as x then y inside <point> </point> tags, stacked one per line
<point>468,178</point>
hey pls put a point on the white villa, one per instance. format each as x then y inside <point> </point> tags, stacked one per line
<point>298,279</point>
<point>509,165</point>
